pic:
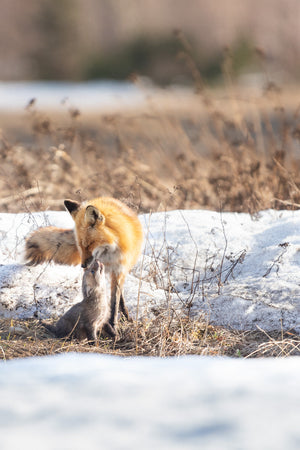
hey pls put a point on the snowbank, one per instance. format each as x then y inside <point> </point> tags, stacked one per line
<point>240,271</point>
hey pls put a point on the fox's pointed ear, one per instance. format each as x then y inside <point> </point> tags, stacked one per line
<point>93,215</point>
<point>72,207</point>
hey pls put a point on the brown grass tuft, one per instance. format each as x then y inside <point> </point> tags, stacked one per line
<point>235,151</point>
<point>164,335</point>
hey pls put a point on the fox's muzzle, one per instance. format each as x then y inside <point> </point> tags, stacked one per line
<point>87,262</point>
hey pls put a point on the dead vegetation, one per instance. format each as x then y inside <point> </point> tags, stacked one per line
<point>162,336</point>
<point>240,153</point>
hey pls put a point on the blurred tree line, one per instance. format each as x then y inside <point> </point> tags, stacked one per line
<point>91,39</point>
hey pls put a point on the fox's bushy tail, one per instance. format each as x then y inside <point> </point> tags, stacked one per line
<point>52,244</point>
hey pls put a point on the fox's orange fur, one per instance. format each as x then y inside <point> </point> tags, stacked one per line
<point>105,229</point>
<point>52,244</point>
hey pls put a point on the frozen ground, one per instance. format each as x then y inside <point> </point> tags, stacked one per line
<point>239,271</point>
<point>75,402</point>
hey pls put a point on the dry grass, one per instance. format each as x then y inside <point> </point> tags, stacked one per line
<point>237,151</point>
<point>161,336</point>
<point>231,153</point>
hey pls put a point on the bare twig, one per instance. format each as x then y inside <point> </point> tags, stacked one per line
<point>224,253</point>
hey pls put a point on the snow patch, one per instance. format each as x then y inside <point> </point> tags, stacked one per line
<point>239,271</point>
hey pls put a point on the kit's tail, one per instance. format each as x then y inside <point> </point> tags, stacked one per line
<point>50,328</point>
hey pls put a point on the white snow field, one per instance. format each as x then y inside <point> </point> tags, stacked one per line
<point>89,96</point>
<point>241,272</point>
<point>71,402</point>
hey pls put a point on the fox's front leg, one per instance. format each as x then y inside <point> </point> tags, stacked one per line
<point>124,308</point>
<point>117,283</point>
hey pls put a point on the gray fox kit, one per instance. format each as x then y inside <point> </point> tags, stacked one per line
<point>86,318</point>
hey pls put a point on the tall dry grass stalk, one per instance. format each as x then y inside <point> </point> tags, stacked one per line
<point>233,149</point>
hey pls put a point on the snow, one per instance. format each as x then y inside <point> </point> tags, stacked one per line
<point>90,401</point>
<point>88,96</point>
<point>239,271</point>
<point>236,270</point>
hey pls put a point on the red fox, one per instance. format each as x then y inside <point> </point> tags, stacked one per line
<point>105,229</point>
